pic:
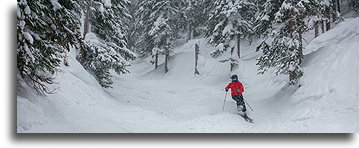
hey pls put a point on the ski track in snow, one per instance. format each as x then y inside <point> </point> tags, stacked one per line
<point>149,101</point>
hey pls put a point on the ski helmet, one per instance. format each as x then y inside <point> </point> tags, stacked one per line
<point>234,78</point>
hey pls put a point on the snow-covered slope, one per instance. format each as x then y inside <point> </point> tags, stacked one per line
<point>148,100</point>
<point>329,89</point>
<point>80,105</point>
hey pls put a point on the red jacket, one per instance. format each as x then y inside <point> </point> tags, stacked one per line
<point>236,88</point>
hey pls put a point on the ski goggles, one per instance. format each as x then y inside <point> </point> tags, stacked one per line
<point>235,79</point>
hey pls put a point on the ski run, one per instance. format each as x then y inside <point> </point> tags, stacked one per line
<point>150,101</point>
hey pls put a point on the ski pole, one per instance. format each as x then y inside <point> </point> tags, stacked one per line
<point>248,105</point>
<point>224,103</point>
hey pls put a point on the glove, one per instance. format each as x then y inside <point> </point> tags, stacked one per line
<point>226,89</point>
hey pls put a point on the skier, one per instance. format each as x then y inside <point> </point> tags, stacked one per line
<point>236,91</point>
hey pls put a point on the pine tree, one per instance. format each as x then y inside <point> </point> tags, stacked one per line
<point>134,27</point>
<point>318,15</point>
<point>162,33</point>
<point>106,41</point>
<point>180,24</point>
<point>145,41</point>
<point>195,16</point>
<point>263,22</point>
<point>327,12</point>
<point>354,4</point>
<point>285,52</point>
<point>158,20</point>
<point>45,29</point>
<point>230,22</point>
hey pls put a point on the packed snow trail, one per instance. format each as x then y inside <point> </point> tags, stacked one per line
<point>149,101</point>
<point>188,99</point>
<point>194,103</point>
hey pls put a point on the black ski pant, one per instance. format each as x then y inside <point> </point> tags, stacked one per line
<point>240,103</point>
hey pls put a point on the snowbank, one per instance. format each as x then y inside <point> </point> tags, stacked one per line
<point>329,89</point>
<point>81,105</point>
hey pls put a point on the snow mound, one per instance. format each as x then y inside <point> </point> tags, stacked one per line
<point>329,89</point>
<point>80,105</point>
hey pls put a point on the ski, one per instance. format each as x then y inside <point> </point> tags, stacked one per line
<point>245,117</point>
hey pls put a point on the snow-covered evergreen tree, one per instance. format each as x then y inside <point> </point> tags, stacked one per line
<point>162,33</point>
<point>327,12</point>
<point>180,24</point>
<point>134,27</point>
<point>320,15</point>
<point>106,40</point>
<point>45,30</point>
<point>354,4</point>
<point>230,21</point>
<point>285,52</point>
<point>145,41</point>
<point>158,20</point>
<point>263,22</point>
<point>196,16</point>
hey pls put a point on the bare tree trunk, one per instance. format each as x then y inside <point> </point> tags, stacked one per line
<point>66,61</point>
<point>166,61</point>
<point>231,61</point>
<point>292,77</point>
<point>196,53</point>
<point>156,60</point>
<point>316,29</point>
<point>300,50</point>
<point>295,74</point>
<point>190,29</point>
<point>239,46</point>
<point>322,24</point>
<point>338,5</point>
<point>232,66</point>
<point>328,25</point>
<point>83,55</point>
<point>334,10</point>
<point>87,18</point>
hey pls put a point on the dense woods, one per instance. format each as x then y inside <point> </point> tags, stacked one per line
<point>107,34</point>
